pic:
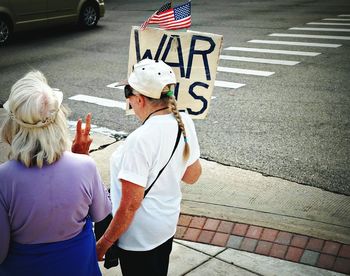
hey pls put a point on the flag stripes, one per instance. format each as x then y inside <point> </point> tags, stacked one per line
<point>169,18</point>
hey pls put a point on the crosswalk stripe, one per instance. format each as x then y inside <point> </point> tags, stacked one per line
<point>284,52</point>
<point>312,36</point>
<point>260,60</point>
<point>97,129</point>
<point>228,84</point>
<point>320,29</point>
<point>113,85</point>
<point>245,71</point>
<point>328,23</point>
<point>295,43</point>
<point>98,101</point>
<point>336,19</point>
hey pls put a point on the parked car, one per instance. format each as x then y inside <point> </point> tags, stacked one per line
<point>16,15</point>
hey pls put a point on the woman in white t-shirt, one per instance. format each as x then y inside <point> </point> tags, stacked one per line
<point>144,227</point>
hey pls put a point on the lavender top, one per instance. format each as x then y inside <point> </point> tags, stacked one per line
<point>49,204</point>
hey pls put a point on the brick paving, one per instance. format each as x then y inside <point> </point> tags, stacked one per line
<point>284,245</point>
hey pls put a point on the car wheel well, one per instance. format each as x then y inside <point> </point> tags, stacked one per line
<point>7,18</point>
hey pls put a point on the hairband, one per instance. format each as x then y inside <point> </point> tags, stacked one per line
<point>46,121</point>
<point>170,93</point>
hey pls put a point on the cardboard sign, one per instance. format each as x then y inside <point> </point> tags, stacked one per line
<point>192,55</point>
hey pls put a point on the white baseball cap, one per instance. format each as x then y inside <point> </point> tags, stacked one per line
<point>149,77</point>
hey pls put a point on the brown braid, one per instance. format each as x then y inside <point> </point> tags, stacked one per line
<point>173,107</point>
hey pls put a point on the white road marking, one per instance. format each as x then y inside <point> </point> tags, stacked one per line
<point>96,129</point>
<point>336,19</point>
<point>312,36</point>
<point>113,85</point>
<point>227,84</point>
<point>330,24</point>
<point>344,15</point>
<point>260,60</point>
<point>284,52</point>
<point>295,43</point>
<point>320,29</point>
<point>98,101</point>
<point>245,71</point>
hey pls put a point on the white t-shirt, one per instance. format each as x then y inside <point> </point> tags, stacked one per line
<point>139,160</point>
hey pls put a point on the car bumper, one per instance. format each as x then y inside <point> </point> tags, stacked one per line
<point>102,8</point>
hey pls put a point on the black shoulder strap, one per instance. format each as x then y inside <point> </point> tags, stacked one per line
<point>176,143</point>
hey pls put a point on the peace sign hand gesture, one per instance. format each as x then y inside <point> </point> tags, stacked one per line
<point>82,139</point>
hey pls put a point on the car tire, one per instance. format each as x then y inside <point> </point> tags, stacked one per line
<point>89,15</point>
<point>5,30</point>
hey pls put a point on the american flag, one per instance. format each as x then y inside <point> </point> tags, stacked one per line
<point>175,18</point>
<point>154,18</point>
<point>180,17</point>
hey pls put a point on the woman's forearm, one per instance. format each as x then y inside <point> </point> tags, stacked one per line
<point>132,196</point>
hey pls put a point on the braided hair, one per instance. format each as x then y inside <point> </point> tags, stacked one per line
<point>167,98</point>
<point>173,108</point>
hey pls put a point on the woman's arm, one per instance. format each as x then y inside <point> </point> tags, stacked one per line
<point>101,205</point>
<point>192,173</point>
<point>5,233</point>
<point>132,196</point>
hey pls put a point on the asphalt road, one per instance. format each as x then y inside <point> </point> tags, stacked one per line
<point>294,124</point>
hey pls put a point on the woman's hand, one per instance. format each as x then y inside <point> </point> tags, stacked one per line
<point>82,140</point>
<point>101,248</point>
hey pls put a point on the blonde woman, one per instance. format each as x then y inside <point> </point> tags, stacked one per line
<point>145,225</point>
<point>48,195</point>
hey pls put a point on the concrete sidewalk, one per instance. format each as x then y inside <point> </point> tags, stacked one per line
<point>238,222</point>
<point>190,258</point>
<point>311,227</point>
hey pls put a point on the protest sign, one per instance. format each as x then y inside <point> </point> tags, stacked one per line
<point>192,55</point>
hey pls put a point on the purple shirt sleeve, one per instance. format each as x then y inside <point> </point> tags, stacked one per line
<point>4,230</point>
<point>101,205</point>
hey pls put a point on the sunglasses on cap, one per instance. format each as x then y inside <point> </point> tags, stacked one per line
<point>128,91</point>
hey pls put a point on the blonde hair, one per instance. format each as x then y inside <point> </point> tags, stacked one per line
<point>36,127</point>
<point>170,101</point>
